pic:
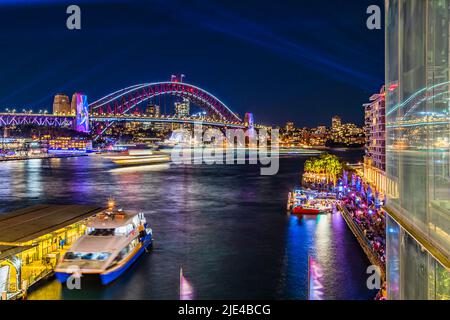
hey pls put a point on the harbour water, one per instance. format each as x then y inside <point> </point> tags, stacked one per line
<point>225,225</point>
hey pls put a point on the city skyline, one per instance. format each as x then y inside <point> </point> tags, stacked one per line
<point>247,61</point>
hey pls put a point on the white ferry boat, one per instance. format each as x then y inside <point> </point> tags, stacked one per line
<point>139,157</point>
<point>114,240</point>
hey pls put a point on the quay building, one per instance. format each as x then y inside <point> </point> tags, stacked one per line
<point>418,148</point>
<point>375,146</point>
<point>33,239</point>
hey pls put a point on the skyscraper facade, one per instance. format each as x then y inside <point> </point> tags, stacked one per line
<point>153,110</point>
<point>375,147</point>
<point>417,148</point>
<point>336,122</point>
<point>182,109</point>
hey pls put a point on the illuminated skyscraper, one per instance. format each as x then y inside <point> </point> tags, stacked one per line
<point>375,133</point>
<point>61,104</point>
<point>290,126</point>
<point>153,110</point>
<point>336,123</point>
<point>182,109</point>
<point>417,148</point>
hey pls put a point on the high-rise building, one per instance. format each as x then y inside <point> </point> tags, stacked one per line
<point>182,108</point>
<point>336,122</point>
<point>417,149</point>
<point>153,110</point>
<point>289,127</point>
<point>375,147</point>
<point>61,104</point>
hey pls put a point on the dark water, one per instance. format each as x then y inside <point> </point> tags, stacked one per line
<point>225,225</point>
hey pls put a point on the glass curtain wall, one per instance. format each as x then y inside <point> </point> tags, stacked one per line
<point>418,141</point>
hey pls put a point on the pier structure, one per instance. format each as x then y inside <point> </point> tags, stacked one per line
<point>32,240</point>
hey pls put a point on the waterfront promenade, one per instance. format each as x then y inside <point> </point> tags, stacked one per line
<point>375,256</point>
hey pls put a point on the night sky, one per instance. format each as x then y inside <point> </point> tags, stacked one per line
<point>298,60</point>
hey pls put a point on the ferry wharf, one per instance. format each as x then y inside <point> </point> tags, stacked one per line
<point>32,240</point>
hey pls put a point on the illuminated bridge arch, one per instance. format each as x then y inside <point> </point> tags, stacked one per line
<point>124,100</point>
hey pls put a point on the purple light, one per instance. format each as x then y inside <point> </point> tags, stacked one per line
<point>82,119</point>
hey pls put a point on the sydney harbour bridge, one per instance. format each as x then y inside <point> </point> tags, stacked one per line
<point>124,106</point>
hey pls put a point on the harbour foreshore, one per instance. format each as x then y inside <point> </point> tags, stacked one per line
<point>362,240</point>
<point>50,156</point>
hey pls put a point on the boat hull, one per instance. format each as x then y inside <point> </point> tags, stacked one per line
<point>107,277</point>
<point>62,277</point>
<point>301,210</point>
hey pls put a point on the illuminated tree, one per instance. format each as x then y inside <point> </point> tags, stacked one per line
<point>327,166</point>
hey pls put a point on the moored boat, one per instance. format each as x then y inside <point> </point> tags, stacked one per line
<point>114,240</point>
<point>309,202</point>
<point>304,209</point>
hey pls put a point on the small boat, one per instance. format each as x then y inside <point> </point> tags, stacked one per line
<point>305,209</point>
<point>309,202</point>
<point>114,240</point>
<point>135,157</point>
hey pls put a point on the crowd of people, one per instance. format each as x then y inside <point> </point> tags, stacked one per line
<point>319,185</point>
<point>364,211</point>
<point>371,221</point>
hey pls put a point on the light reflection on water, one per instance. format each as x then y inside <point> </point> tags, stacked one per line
<point>225,225</point>
<point>146,168</point>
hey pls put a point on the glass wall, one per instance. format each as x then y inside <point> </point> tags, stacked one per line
<point>418,141</point>
<point>412,272</point>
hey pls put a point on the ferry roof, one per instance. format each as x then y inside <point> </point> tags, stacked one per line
<point>103,222</point>
<point>30,223</point>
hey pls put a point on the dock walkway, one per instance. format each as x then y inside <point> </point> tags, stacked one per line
<point>32,240</point>
<point>363,241</point>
